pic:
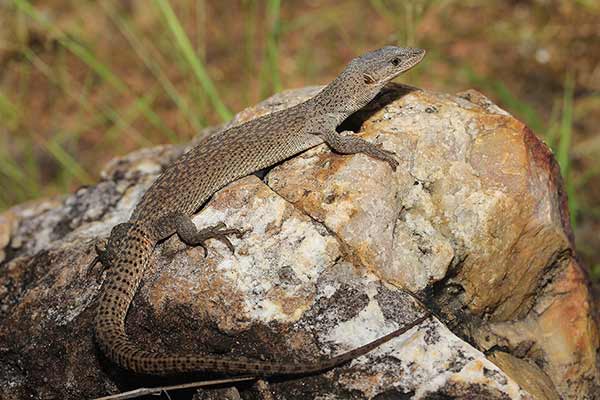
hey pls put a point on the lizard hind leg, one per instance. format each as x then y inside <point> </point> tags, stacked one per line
<point>190,235</point>
<point>106,249</point>
<point>101,257</point>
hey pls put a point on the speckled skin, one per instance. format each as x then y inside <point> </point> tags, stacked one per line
<point>166,207</point>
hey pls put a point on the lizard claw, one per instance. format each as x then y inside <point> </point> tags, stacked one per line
<point>91,265</point>
<point>218,227</point>
<point>204,249</point>
<point>387,156</point>
<point>221,236</point>
<point>392,162</point>
<point>220,232</point>
<point>101,257</point>
<point>227,242</point>
<point>101,246</point>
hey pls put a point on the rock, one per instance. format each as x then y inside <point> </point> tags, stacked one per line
<point>528,375</point>
<point>230,393</point>
<point>473,223</point>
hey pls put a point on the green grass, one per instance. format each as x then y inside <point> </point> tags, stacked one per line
<point>9,114</point>
<point>87,56</point>
<point>505,97</point>
<point>70,167</point>
<point>270,77</point>
<point>197,66</point>
<point>145,52</point>
<point>563,151</point>
<point>23,175</point>
<point>103,113</point>
<point>16,181</point>
<point>404,15</point>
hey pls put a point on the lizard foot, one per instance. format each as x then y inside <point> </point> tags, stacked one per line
<point>102,257</point>
<point>345,143</point>
<point>106,253</point>
<point>377,151</point>
<point>219,232</point>
<point>190,235</point>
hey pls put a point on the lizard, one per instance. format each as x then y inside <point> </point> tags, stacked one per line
<point>165,209</point>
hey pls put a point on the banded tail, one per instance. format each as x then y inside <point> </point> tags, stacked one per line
<point>135,246</point>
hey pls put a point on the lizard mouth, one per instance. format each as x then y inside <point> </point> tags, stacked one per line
<point>415,58</point>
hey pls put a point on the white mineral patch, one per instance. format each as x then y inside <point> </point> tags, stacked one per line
<point>279,259</point>
<point>367,326</point>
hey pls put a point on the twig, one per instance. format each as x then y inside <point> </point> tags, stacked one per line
<point>157,390</point>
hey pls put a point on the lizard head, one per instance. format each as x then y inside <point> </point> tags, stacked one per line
<point>380,66</point>
<point>365,76</point>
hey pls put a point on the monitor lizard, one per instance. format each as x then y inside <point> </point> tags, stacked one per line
<point>185,185</point>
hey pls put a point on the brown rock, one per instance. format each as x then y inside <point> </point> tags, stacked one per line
<point>528,375</point>
<point>474,222</point>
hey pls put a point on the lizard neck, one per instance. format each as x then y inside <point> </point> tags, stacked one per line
<point>343,97</point>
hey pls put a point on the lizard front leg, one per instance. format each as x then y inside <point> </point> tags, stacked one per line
<point>324,126</point>
<point>345,143</point>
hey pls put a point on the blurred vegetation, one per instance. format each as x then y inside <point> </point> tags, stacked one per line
<point>83,81</point>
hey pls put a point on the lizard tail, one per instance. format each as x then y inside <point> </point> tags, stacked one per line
<point>134,246</point>
<point>120,286</point>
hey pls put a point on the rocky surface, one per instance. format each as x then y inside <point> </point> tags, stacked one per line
<point>473,222</point>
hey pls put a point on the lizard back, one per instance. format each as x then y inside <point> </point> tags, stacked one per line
<point>225,157</point>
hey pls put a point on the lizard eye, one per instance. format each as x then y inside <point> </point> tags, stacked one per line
<point>395,61</point>
<point>368,79</point>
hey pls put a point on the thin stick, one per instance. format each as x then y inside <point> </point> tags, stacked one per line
<point>157,390</point>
